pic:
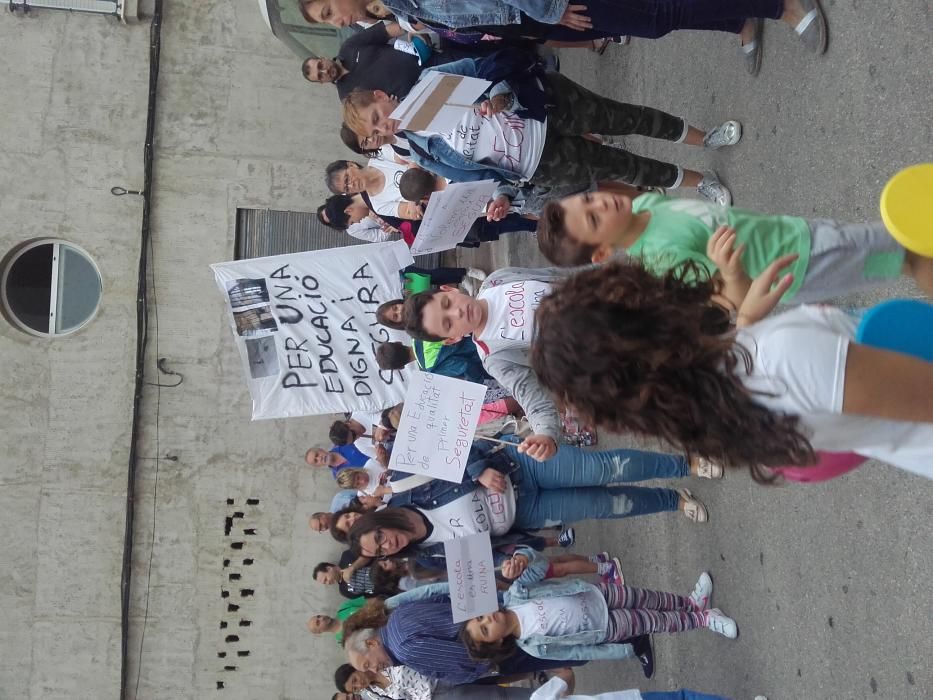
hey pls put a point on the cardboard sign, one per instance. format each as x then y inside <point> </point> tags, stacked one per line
<point>438,102</point>
<point>305,325</point>
<point>471,573</point>
<point>450,214</point>
<point>437,427</point>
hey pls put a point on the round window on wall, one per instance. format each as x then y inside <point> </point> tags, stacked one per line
<point>50,287</point>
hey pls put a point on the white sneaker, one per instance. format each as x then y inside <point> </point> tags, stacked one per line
<point>702,592</point>
<point>694,510</point>
<point>476,273</point>
<point>719,623</point>
<point>707,469</point>
<point>712,189</point>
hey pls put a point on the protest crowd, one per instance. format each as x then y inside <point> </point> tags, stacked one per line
<point>656,320</point>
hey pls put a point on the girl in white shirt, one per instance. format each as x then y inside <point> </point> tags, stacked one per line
<point>659,356</point>
<point>575,620</point>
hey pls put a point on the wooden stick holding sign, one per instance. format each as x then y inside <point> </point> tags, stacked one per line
<point>471,575</point>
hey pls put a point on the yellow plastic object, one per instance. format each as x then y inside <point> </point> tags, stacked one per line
<point>907,208</point>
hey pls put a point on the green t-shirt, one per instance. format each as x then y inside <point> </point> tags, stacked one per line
<point>344,611</point>
<point>679,230</point>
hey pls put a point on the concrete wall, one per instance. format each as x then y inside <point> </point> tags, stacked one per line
<point>237,127</point>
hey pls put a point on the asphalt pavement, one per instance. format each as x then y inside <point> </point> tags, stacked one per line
<point>830,583</point>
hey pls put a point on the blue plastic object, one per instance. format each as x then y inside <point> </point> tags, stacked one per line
<point>902,325</point>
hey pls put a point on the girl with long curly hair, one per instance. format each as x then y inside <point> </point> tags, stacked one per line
<point>659,356</point>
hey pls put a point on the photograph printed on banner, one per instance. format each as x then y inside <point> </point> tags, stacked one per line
<point>262,356</point>
<point>253,322</point>
<point>247,292</point>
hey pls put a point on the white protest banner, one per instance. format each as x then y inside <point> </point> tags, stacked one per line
<point>450,214</point>
<point>437,426</point>
<point>305,325</point>
<point>471,573</point>
<point>438,102</point>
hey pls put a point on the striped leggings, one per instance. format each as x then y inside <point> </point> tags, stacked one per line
<point>636,611</point>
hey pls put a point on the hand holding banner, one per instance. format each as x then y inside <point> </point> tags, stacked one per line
<point>471,573</point>
<point>450,214</point>
<point>437,427</point>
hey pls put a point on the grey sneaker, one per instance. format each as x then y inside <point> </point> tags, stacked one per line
<point>726,134</point>
<point>712,189</point>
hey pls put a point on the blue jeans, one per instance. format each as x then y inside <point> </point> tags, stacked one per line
<point>572,485</point>
<point>683,694</point>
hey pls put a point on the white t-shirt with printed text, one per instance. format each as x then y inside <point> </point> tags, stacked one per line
<point>510,321</point>
<point>503,140</point>
<point>562,615</point>
<point>478,511</point>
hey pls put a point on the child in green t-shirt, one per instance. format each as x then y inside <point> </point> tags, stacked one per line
<point>832,259</point>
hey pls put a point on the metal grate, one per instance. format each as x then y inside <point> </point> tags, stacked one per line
<point>262,232</point>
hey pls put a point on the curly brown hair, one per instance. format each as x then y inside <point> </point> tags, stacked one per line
<point>654,355</point>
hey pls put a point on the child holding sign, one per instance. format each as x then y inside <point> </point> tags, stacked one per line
<point>575,620</point>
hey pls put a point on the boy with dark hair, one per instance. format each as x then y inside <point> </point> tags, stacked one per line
<point>360,581</point>
<point>501,322</point>
<point>833,259</point>
<point>416,185</point>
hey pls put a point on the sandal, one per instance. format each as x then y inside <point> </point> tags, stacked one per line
<point>599,46</point>
<point>752,50</point>
<point>694,510</point>
<point>812,28</point>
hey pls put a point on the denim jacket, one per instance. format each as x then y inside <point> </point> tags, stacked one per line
<point>582,646</point>
<point>472,13</point>
<point>437,493</point>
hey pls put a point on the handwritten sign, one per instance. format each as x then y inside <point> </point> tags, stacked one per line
<point>438,102</point>
<point>305,325</point>
<point>450,214</point>
<point>472,576</point>
<point>437,426</point>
